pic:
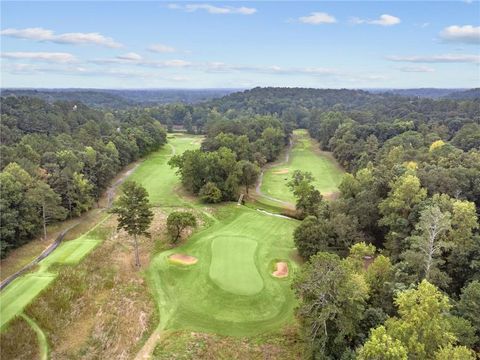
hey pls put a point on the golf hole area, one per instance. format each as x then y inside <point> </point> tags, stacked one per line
<point>233,266</point>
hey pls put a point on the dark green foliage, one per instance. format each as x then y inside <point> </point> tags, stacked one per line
<point>133,211</point>
<point>309,199</point>
<point>210,193</point>
<point>177,222</point>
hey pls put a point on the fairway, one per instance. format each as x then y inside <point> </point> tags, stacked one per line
<point>230,290</point>
<point>304,156</point>
<point>158,177</point>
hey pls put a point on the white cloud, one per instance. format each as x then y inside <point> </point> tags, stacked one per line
<point>40,34</point>
<point>161,48</point>
<point>316,18</point>
<point>417,69</point>
<point>211,9</point>
<point>464,34</point>
<point>131,56</point>
<point>56,57</point>
<point>446,58</point>
<point>383,20</point>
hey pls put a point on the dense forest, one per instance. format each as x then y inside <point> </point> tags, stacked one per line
<point>57,159</point>
<point>392,265</point>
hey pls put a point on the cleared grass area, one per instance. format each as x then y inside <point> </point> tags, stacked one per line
<point>230,290</point>
<point>156,175</point>
<point>20,293</point>
<point>304,156</point>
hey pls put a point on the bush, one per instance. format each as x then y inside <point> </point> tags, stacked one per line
<point>210,193</point>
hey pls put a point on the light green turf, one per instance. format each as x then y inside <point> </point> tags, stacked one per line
<point>233,265</point>
<point>17,295</point>
<point>238,248</point>
<point>305,157</point>
<point>20,293</point>
<point>156,175</point>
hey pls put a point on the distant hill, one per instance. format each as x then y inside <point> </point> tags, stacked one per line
<point>465,95</point>
<point>432,93</point>
<point>118,99</point>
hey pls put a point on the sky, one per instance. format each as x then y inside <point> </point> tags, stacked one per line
<point>229,44</point>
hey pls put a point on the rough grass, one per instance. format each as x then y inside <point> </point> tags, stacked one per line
<point>283,344</point>
<point>188,297</point>
<point>19,341</point>
<point>156,175</point>
<point>304,156</point>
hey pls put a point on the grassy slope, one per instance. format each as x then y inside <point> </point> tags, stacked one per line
<point>188,298</point>
<point>305,157</point>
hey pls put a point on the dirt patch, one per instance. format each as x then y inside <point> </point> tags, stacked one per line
<point>282,270</point>
<point>281,172</point>
<point>183,259</point>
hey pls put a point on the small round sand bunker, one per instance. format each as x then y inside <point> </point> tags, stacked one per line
<point>183,259</point>
<point>282,270</point>
<point>281,172</point>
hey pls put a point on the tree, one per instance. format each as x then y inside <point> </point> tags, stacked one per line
<point>134,213</point>
<point>422,329</point>
<point>309,199</point>
<point>313,235</point>
<point>451,352</point>
<point>406,192</point>
<point>178,221</point>
<point>430,242</point>
<point>469,305</point>
<point>248,173</point>
<point>210,193</point>
<point>332,299</point>
<point>49,204</point>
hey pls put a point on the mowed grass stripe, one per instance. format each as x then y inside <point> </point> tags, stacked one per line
<point>304,156</point>
<point>20,293</point>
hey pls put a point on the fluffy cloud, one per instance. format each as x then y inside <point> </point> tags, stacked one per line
<point>40,34</point>
<point>161,48</point>
<point>316,18</point>
<point>131,56</point>
<point>417,69</point>
<point>56,57</point>
<point>447,58</point>
<point>383,20</point>
<point>463,34</point>
<point>211,9</point>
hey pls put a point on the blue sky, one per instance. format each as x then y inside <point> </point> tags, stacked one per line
<point>352,44</point>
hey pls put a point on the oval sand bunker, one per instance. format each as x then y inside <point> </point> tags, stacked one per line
<point>183,259</point>
<point>282,270</point>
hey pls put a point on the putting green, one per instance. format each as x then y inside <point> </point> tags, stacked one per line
<point>230,289</point>
<point>233,267</point>
<point>155,174</point>
<point>305,157</point>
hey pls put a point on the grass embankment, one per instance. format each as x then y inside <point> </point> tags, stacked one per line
<point>306,156</point>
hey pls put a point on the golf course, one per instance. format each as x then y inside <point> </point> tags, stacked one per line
<point>306,156</point>
<point>228,283</point>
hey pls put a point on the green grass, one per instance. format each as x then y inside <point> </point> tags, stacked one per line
<point>233,265</point>
<point>230,290</point>
<point>156,175</point>
<point>305,157</point>
<point>41,338</point>
<point>21,292</point>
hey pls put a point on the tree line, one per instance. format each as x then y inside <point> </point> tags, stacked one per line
<point>58,158</point>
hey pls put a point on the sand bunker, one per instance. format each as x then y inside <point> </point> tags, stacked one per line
<point>282,270</point>
<point>183,259</point>
<point>281,172</point>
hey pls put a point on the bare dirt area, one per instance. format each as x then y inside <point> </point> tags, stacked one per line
<point>281,172</point>
<point>282,270</point>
